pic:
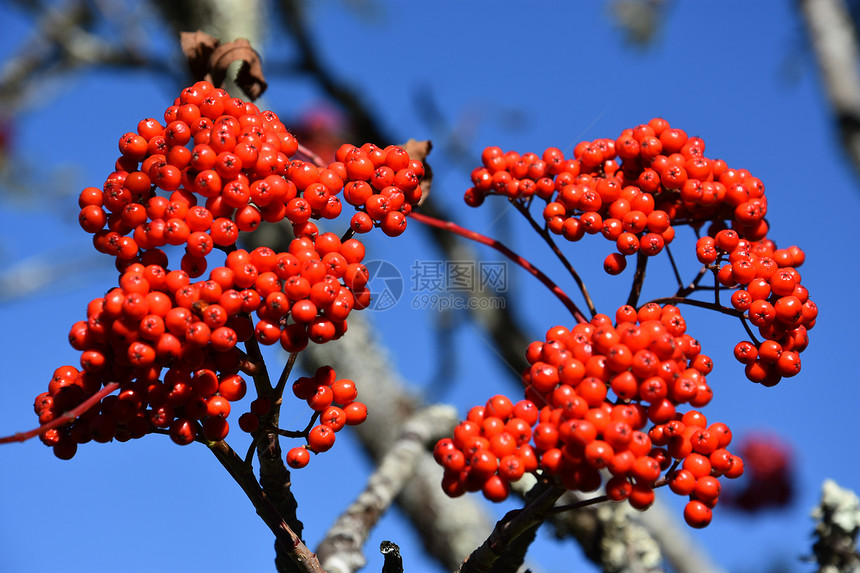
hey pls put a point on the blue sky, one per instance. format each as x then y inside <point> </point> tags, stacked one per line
<point>524,78</point>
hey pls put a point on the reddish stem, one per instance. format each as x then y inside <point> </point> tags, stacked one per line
<point>497,245</point>
<point>311,156</point>
<point>63,418</point>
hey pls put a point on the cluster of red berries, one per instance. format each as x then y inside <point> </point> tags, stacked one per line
<point>158,319</point>
<point>235,158</point>
<point>186,403</point>
<point>382,185</point>
<point>490,449</point>
<point>154,320</point>
<point>633,190</point>
<point>334,401</point>
<point>769,477</point>
<point>591,391</point>
<point>771,297</point>
<point>218,166</point>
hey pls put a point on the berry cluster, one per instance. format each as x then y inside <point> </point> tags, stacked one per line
<point>219,166</point>
<point>490,449</point>
<point>171,343</point>
<point>237,159</point>
<point>591,391</point>
<point>771,297</point>
<point>335,401</point>
<point>635,190</point>
<point>382,185</point>
<point>632,190</point>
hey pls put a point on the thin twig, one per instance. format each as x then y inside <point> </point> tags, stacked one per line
<point>63,418</point>
<point>638,279</point>
<point>578,505</point>
<point>675,268</point>
<point>710,306</point>
<point>311,155</point>
<point>499,246</point>
<point>699,303</point>
<point>262,383</point>
<point>555,249</point>
<point>285,375</point>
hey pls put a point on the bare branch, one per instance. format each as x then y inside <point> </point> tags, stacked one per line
<point>59,44</point>
<point>450,528</point>
<point>341,550</point>
<point>610,534</point>
<point>287,541</point>
<point>511,526</point>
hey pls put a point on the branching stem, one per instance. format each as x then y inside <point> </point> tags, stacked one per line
<point>555,249</point>
<point>512,525</point>
<point>286,539</point>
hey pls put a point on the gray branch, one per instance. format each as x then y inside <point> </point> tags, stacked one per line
<point>450,528</point>
<point>341,550</point>
<point>834,43</point>
<point>611,535</point>
<point>60,43</point>
<point>673,536</point>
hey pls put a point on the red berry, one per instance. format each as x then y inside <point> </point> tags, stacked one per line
<point>298,457</point>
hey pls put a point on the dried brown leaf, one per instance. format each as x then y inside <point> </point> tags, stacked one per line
<point>208,59</point>
<point>250,75</point>
<point>198,47</point>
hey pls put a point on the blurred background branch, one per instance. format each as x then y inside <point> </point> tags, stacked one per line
<point>833,37</point>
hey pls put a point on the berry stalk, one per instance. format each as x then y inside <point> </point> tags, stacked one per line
<point>64,418</point>
<point>554,247</point>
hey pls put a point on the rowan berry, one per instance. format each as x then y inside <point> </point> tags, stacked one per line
<point>298,457</point>
<point>182,431</point>
<point>615,263</point>
<point>356,413</point>
<point>233,388</point>
<point>697,514</point>
<point>333,417</point>
<point>321,438</point>
<point>641,496</point>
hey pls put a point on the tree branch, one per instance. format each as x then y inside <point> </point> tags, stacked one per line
<point>341,550</point>
<point>834,43</point>
<point>63,418</point>
<point>287,541</point>
<point>511,526</point>
<point>450,528</point>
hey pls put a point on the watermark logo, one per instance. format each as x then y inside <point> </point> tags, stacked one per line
<point>439,285</point>
<point>458,285</point>
<point>385,284</point>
